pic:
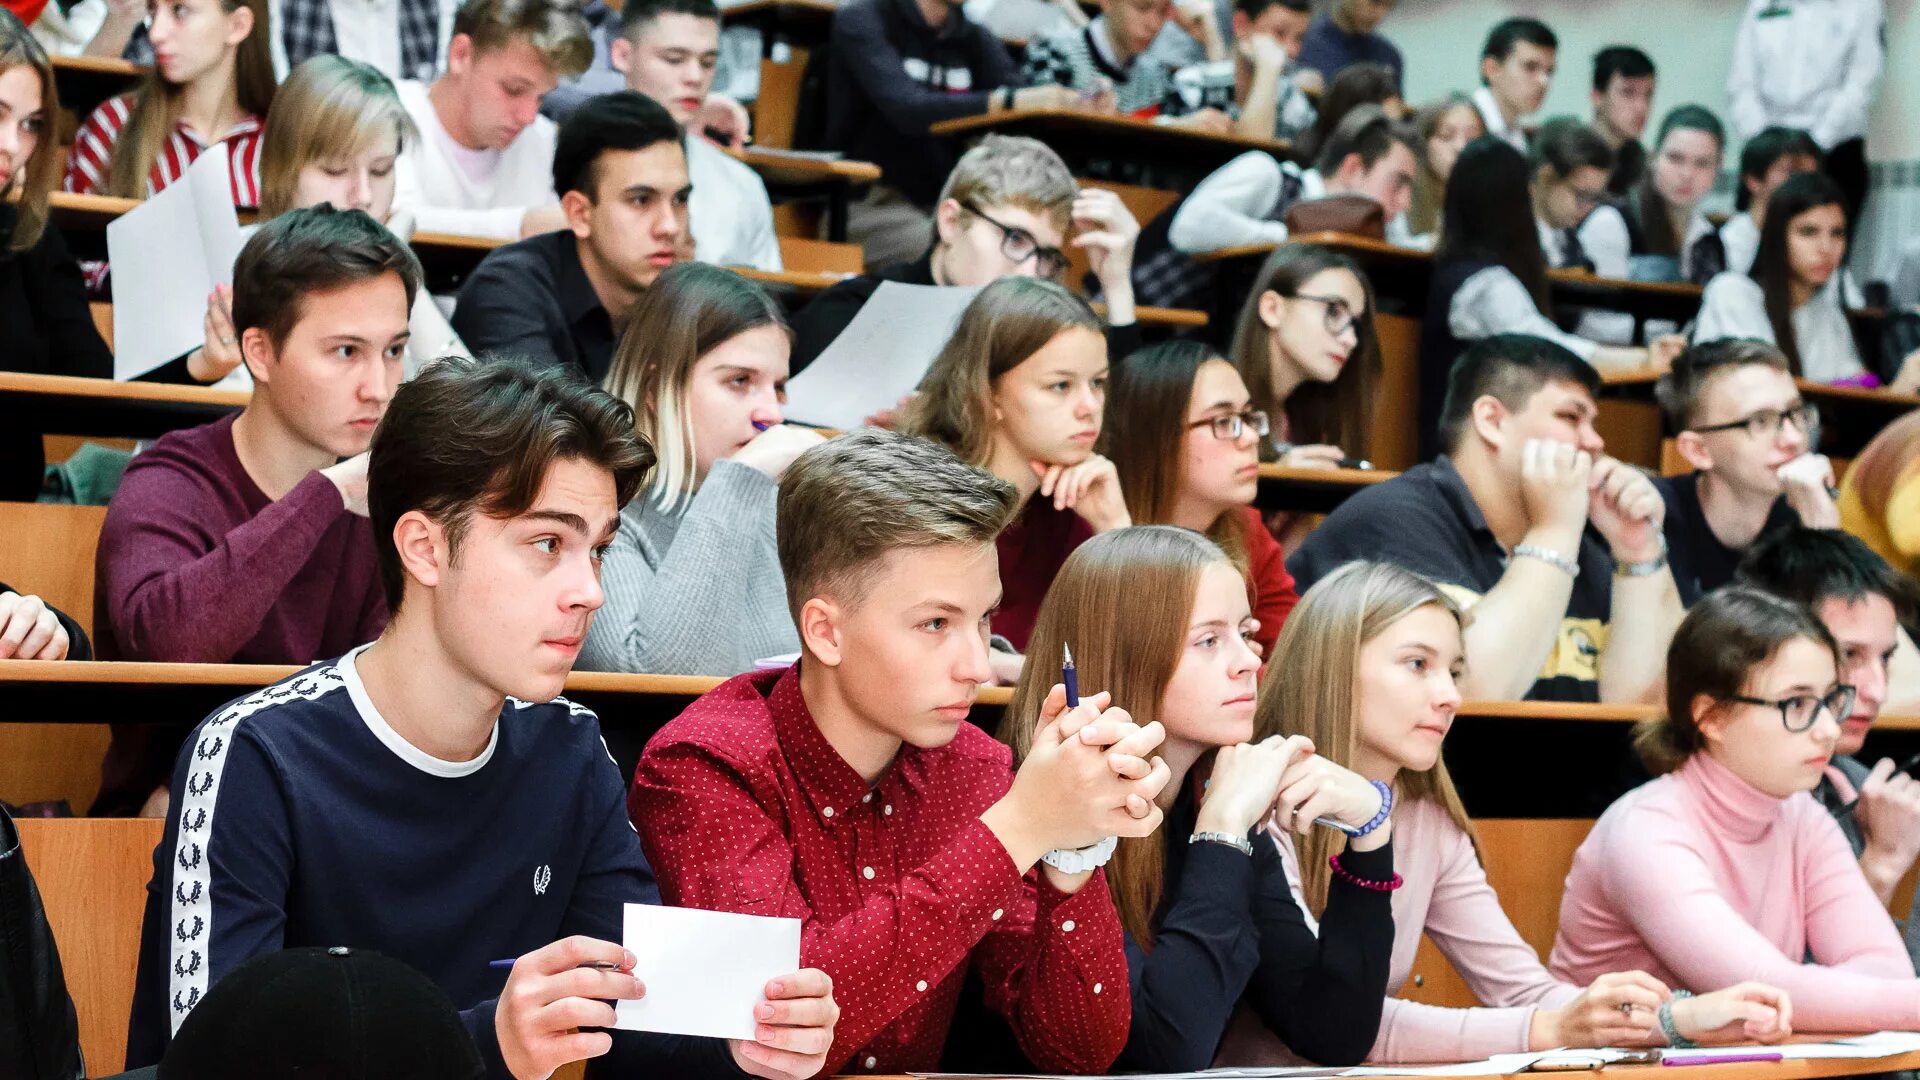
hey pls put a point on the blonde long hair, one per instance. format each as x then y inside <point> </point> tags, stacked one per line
<point>157,104</point>
<point>33,183</point>
<point>1306,694</point>
<point>1122,601</point>
<point>1009,321</point>
<point>330,107</point>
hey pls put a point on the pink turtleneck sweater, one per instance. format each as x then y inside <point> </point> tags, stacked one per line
<point>1704,881</point>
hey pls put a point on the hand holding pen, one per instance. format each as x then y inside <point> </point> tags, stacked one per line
<point>776,447</point>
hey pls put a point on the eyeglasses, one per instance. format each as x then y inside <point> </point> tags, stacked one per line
<point>1019,245</point>
<point>1589,199</point>
<point>1339,317</point>
<point>1766,423</point>
<point>1229,428</point>
<point>1799,712</point>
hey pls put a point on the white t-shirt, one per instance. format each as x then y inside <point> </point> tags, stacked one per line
<point>730,214</point>
<point>450,188</point>
<point>1735,307</point>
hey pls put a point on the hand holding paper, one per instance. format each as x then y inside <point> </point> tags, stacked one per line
<point>706,972</point>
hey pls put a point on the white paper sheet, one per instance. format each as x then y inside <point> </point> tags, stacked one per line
<point>167,255</point>
<point>704,970</point>
<point>1878,1044</point>
<point>879,358</point>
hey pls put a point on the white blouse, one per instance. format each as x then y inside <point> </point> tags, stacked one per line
<point>1735,307</point>
<point>1493,301</point>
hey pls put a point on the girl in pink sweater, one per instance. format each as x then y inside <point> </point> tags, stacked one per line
<point>1724,868</point>
<point>1400,637</point>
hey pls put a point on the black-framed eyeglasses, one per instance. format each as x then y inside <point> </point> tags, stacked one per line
<point>1019,245</point>
<point>1339,317</point>
<point>1766,423</point>
<point>1229,428</point>
<point>1799,712</point>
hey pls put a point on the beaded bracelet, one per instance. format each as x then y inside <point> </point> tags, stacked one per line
<point>1351,878</point>
<point>1669,1028</point>
<point>1379,819</point>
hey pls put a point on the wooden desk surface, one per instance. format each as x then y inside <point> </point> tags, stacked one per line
<point>66,405</point>
<point>1803,1069</point>
<point>83,82</point>
<point>1110,126</point>
<point>790,169</point>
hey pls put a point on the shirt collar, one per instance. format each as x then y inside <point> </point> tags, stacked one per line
<point>831,785</point>
<point>1454,487</point>
<point>1491,115</point>
<point>247,125</point>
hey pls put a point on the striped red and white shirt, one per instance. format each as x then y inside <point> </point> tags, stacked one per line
<point>93,149</point>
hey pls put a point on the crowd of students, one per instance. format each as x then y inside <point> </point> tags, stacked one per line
<point>1229,848</point>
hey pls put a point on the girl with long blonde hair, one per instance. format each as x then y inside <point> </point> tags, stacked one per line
<point>1157,618</point>
<point>1385,652</point>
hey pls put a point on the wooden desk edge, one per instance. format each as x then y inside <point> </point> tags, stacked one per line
<point>75,386</point>
<point>99,65</point>
<point>965,124</point>
<point>1800,1069</point>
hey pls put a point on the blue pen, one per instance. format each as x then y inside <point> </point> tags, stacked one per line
<point>597,965</point>
<point>761,425</point>
<point>1069,677</point>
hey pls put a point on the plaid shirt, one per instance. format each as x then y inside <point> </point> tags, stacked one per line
<point>1165,276</point>
<point>306,29</point>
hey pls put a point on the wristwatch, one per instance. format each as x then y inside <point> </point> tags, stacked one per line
<point>1081,860</point>
<point>1643,569</point>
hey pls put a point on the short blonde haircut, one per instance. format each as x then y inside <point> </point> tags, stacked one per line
<point>846,504</point>
<point>1012,170</point>
<point>329,107</point>
<point>555,28</point>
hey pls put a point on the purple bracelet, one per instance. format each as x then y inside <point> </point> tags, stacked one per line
<point>1379,819</point>
<point>1351,878</point>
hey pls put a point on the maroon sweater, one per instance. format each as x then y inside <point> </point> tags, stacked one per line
<point>1031,551</point>
<point>197,565</point>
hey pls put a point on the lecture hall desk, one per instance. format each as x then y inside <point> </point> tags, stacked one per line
<point>1177,158</point>
<point>1765,1070</point>
<point>83,82</point>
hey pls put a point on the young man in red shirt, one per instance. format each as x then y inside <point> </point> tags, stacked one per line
<point>849,791</point>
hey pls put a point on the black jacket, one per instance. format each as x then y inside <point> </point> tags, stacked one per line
<point>39,1033</point>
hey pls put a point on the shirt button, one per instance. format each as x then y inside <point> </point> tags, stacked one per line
<point>921,986</point>
<point>997,912</point>
<point>1097,988</point>
<point>868,797</point>
<point>1067,926</point>
<point>872,1062</point>
<point>828,812</point>
<point>887,809</point>
<point>867,872</point>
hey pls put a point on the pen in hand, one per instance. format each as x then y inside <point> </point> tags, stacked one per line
<point>597,965</point>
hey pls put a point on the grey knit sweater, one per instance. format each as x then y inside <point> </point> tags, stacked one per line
<point>698,592</point>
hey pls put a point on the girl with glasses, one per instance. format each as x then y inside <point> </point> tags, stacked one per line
<point>1724,868</point>
<point>1387,646</point>
<point>1191,457</point>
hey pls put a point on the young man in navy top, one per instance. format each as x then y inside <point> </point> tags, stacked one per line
<point>429,796</point>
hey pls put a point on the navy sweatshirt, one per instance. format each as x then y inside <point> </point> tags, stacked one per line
<point>300,818</point>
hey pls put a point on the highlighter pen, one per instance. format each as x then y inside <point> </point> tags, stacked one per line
<point>1069,677</point>
<point>1719,1059</point>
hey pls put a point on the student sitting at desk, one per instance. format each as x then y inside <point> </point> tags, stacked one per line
<point>1158,619</point>
<point>211,85</point>
<point>46,327</point>
<point>563,297</point>
<point>245,540</point>
<point>1359,84</point>
<point>1020,391</point>
<point>667,50</point>
<point>1554,547</point>
<point>1768,160</point>
<point>32,629</point>
<point>483,165</point>
<point>441,754</point>
<point>1389,645</point>
<point>1623,85</point>
<point>1191,457</point>
<point>1723,869</point>
<point>1789,298</point>
<point>1307,348</point>
<point>1348,34</point>
<point>1864,602</point>
<point>850,792</point>
<point>1663,211</point>
<point>1444,129</point>
<point>704,365</point>
<point>1246,201</point>
<point>1578,229</point>
<point>1490,274</point>
<point>1110,55</point>
<point>1740,422</point>
<point>1005,212</point>
<point>1516,71</point>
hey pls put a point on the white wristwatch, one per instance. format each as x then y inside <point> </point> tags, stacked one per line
<point>1081,860</point>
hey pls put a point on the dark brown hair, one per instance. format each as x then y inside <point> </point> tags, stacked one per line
<point>314,249</point>
<point>1488,214</point>
<point>1338,413</point>
<point>1678,391</point>
<point>1149,401</point>
<point>1724,637</point>
<point>1645,204</point>
<point>555,28</point>
<point>478,436</point>
<point>33,179</point>
<point>846,503</point>
<point>1368,82</point>
<point>1772,268</point>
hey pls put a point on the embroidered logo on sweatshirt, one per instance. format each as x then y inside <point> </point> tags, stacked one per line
<point>541,879</point>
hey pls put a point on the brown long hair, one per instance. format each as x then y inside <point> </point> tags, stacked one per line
<point>157,104</point>
<point>1311,691</point>
<point>1888,458</point>
<point>1339,413</point>
<point>1148,402</point>
<point>688,312</point>
<point>1122,602</point>
<point>1771,266</point>
<point>1488,214</point>
<point>33,181</point>
<point>1429,190</point>
<point>1647,206</point>
<point>1010,320</point>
